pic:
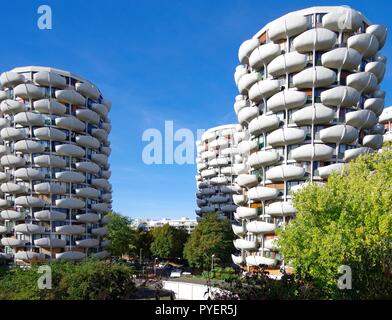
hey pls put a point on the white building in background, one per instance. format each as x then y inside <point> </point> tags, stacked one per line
<point>185,224</point>
<point>309,101</point>
<point>386,120</point>
<point>218,164</point>
<point>54,169</point>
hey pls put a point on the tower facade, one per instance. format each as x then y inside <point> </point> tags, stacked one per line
<point>54,170</point>
<point>309,101</point>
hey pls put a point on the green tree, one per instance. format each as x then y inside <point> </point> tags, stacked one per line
<point>346,222</point>
<point>168,242</point>
<point>123,238</point>
<point>212,235</point>
<point>143,242</point>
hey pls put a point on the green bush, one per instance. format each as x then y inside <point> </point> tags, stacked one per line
<point>87,280</point>
<point>225,274</point>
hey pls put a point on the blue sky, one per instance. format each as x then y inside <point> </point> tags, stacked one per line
<point>156,60</point>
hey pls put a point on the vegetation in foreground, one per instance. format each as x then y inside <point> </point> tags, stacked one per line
<point>86,280</point>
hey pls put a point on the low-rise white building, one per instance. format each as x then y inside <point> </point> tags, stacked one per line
<point>147,224</point>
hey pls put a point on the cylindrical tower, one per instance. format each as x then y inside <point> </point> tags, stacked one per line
<point>54,170</point>
<point>310,97</point>
<point>218,164</point>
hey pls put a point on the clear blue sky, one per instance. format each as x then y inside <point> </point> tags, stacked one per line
<point>157,61</point>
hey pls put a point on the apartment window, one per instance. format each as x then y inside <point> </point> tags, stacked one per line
<point>319,20</point>
<point>309,21</point>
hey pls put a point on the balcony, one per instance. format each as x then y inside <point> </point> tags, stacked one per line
<point>70,203</point>
<point>237,259</point>
<point>263,89</point>
<point>28,147</point>
<point>341,59</point>
<point>286,136</point>
<point>87,243</point>
<point>339,134</point>
<point>318,39</point>
<point>12,134</point>
<point>314,77</point>
<point>29,255</point>
<point>87,115</point>
<point>46,133</point>
<point>70,96</point>
<point>260,260</point>
<point>287,26</point>
<point>49,79</point>
<point>50,243</point>
<point>245,115</point>
<point>246,213</point>
<point>364,82</point>
<point>12,215</point>
<point>51,106</point>
<point>262,193</point>
<point>70,177</point>
<point>50,215</point>
<point>343,96</point>
<point>246,48</point>
<point>70,230</point>
<point>280,208</point>
<point>70,123</point>
<point>242,244</point>
<point>29,202</point>
<point>366,44</point>
<point>87,141</point>
<point>312,152</point>
<point>287,63</point>
<point>88,90</point>
<point>27,228</point>
<point>260,227</point>
<point>361,119</point>
<point>70,256</point>
<point>49,188</point>
<point>12,107</point>
<point>13,242</point>
<point>11,79</point>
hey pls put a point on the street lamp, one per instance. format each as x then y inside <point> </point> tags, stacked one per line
<point>212,262</point>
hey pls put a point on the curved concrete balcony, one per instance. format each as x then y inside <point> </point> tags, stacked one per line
<point>240,70</point>
<point>220,162</point>
<point>219,143</point>
<point>286,136</point>
<point>87,90</point>
<point>70,177</point>
<point>373,141</point>
<point>89,167</point>
<point>100,134</point>
<point>3,230</point>
<point>361,119</point>
<point>87,141</point>
<point>70,203</point>
<point>12,134</point>
<point>246,48</point>
<point>3,95</point>
<point>11,107</point>
<point>49,188</point>
<point>29,255</point>
<point>287,63</point>
<point>374,104</point>
<point>262,227</point>
<point>28,174</point>
<point>87,193</point>
<point>263,158</point>
<point>49,161</point>
<point>262,193</point>
<point>70,150</point>
<point>365,43</point>
<point>101,109</point>
<point>4,123</point>
<point>280,208</point>
<point>106,243</point>
<point>219,199</point>
<point>286,99</point>
<point>207,191</point>
<point>238,230</point>
<point>271,244</point>
<point>263,89</point>
<point>12,161</point>
<point>12,215</point>
<point>245,115</point>
<point>12,188</point>
<point>50,243</point>
<point>336,20</point>
<point>88,218</point>
<point>343,96</point>
<point>49,215</point>
<point>325,172</point>
<point>309,152</point>
<point>228,208</point>
<point>246,213</point>
<point>287,26</point>
<point>237,259</point>
<point>100,231</point>
<point>314,77</point>
<point>70,96</point>
<point>49,79</point>
<point>264,54</point>
<point>209,154</point>
<point>339,134</point>
<point>218,181</point>
<point>29,91</point>
<point>378,128</point>
<point>51,106</point>
<point>240,168</point>
<point>101,255</point>
<point>101,183</point>
<point>364,82</point>
<point>379,31</point>
<point>87,243</point>
<point>319,114</point>
<point>46,133</point>
<point>28,228</point>
<point>242,244</point>
<point>4,177</point>
<point>88,116</point>
<point>29,202</point>
<point>208,173</point>
<point>263,124</point>
<point>318,39</point>
<point>341,59</point>
<point>11,79</point>
<point>13,242</point>
<point>106,197</point>
<point>106,150</point>
<point>378,68</point>
<point>260,261</point>
<point>247,180</point>
<point>239,199</point>
<point>207,209</point>
<point>351,154</point>
<point>70,256</point>
<point>285,173</point>
<point>28,146</point>
<point>247,81</point>
<point>70,123</point>
<point>100,207</point>
<point>201,202</point>
<point>70,229</point>
<point>245,147</point>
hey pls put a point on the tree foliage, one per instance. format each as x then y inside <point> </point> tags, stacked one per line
<point>123,238</point>
<point>346,222</point>
<point>211,236</point>
<point>168,242</point>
